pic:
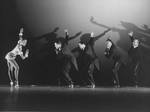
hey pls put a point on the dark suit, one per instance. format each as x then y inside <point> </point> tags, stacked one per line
<point>114,54</point>
<point>135,54</point>
<point>67,58</point>
<point>87,60</point>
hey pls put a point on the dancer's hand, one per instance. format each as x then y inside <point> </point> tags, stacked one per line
<point>130,33</point>
<point>27,53</point>
<point>66,31</point>
<point>92,34</point>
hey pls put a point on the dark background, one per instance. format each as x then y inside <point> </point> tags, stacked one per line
<point>41,17</point>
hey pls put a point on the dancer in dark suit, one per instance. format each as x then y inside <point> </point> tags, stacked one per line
<point>65,56</point>
<point>87,60</point>
<point>135,53</point>
<point>111,52</point>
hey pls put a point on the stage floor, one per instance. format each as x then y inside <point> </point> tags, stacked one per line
<point>78,99</point>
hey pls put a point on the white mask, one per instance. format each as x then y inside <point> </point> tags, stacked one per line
<point>108,44</point>
<point>57,46</point>
<point>82,46</point>
<point>135,43</point>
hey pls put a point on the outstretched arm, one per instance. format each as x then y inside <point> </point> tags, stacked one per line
<point>70,38</point>
<point>101,35</point>
<point>67,38</point>
<point>76,35</point>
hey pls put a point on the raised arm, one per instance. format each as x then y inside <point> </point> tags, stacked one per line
<point>73,37</point>
<point>91,38</point>
<point>131,36</point>
<point>66,36</point>
<point>101,35</point>
<point>20,36</point>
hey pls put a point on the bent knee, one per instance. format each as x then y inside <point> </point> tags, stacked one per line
<point>114,71</point>
<point>16,67</point>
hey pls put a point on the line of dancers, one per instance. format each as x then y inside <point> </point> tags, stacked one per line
<point>84,64</point>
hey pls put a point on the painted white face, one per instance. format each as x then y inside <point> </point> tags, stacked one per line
<point>82,46</point>
<point>108,44</point>
<point>135,43</point>
<point>57,45</point>
<point>24,42</point>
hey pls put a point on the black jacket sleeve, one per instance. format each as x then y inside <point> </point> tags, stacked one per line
<point>91,41</point>
<point>66,38</point>
<point>131,38</point>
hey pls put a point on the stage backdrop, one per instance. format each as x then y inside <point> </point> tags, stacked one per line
<point>121,16</point>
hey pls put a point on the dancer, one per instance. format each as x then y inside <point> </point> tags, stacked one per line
<point>10,57</point>
<point>65,56</point>
<point>87,61</point>
<point>135,53</point>
<point>111,52</point>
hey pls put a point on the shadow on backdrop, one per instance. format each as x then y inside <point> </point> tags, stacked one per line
<point>124,43</point>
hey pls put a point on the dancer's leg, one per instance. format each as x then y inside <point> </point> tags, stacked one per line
<point>10,72</point>
<point>65,69</point>
<point>115,72</point>
<point>135,76</point>
<point>15,65</point>
<point>90,74</point>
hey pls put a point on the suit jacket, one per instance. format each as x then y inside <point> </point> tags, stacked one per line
<point>81,55</point>
<point>66,54</point>
<point>88,55</point>
<point>114,54</point>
